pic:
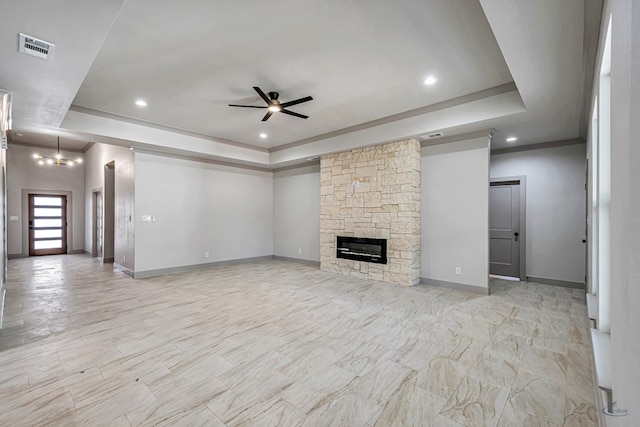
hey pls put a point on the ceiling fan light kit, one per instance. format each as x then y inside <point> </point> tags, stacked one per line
<point>274,105</point>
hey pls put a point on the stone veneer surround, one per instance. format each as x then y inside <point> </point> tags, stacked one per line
<point>373,192</point>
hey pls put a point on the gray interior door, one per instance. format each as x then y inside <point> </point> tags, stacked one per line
<point>504,228</point>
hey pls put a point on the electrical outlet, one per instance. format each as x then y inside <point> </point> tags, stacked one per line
<point>206,254</point>
<point>458,270</point>
<point>299,250</point>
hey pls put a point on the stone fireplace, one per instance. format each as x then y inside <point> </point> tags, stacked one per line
<point>374,193</point>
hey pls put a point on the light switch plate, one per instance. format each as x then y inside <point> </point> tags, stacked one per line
<point>13,218</point>
<point>146,218</point>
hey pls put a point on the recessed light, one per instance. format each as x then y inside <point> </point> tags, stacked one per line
<point>429,81</point>
<point>263,135</point>
<point>512,139</point>
<point>79,160</point>
<point>36,156</point>
<point>141,103</point>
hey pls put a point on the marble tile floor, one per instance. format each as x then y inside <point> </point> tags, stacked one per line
<point>280,343</point>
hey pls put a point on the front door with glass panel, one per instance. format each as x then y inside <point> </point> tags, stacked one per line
<point>47,224</point>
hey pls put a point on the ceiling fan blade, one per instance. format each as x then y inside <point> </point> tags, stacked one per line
<point>266,116</point>
<point>247,106</point>
<point>262,94</point>
<point>291,113</point>
<point>297,101</point>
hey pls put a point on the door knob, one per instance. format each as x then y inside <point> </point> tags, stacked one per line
<point>516,235</point>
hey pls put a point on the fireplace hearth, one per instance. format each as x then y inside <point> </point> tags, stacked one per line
<point>362,249</point>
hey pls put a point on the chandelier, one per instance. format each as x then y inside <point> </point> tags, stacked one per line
<point>56,160</point>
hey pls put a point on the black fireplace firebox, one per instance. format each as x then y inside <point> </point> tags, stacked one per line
<point>362,249</point>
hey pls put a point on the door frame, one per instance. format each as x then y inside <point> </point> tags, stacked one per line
<point>25,216</point>
<point>522,180</point>
<point>95,193</point>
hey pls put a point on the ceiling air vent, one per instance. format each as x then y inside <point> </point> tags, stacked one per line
<point>35,47</point>
<point>433,135</point>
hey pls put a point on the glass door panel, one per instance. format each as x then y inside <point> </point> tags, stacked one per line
<point>48,201</point>
<point>42,234</point>
<point>47,244</point>
<point>47,223</point>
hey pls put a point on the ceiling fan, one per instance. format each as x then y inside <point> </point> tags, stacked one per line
<point>275,106</point>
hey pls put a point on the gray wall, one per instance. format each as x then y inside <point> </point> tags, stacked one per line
<point>199,207</point>
<point>625,207</point>
<point>23,173</point>
<point>3,227</point>
<point>296,213</point>
<point>555,200</point>
<point>124,251</point>
<point>95,159</point>
<point>455,212</point>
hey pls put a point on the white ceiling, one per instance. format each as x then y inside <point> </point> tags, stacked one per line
<point>43,89</point>
<point>362,61</point>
